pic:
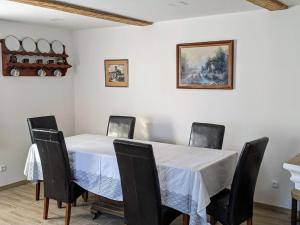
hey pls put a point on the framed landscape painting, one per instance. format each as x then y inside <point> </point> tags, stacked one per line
<point>116,72</point>
<point>205,65</point>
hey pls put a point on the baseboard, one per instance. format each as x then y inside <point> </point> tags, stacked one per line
<point>272,207</point>
<point>12,185</point>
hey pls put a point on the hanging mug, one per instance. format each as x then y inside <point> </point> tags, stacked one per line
<point>39,61</point>
<point>13,59</point>
<point>26,60</point>
<point>61,61</point>
<point>15,72</point>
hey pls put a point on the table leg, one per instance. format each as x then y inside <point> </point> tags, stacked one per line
<point>294,212</point>
<point>104,205</point>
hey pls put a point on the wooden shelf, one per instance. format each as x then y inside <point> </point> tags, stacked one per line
<point>30,69</point>
<point>36,65</point>
<point>35,54</point>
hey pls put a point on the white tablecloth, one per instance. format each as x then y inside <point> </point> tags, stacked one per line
<point>188,176</point>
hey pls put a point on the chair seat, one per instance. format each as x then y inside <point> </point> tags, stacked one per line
<point>169,215</point>
<point>218,207</point>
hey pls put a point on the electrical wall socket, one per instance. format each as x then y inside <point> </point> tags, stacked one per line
<point>275,184</point>
<point>3,168</point>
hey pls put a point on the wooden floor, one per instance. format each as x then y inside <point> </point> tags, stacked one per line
<point>18,207</point>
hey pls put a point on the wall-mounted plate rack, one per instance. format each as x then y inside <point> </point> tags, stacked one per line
<point>31,68</point>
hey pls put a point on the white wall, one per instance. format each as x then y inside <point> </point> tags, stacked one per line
<point>264,101</point>
<point>25,97</point>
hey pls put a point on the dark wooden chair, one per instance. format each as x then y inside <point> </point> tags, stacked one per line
<point>44,122</point>
<point>121,127</point>
<point>58,183</point>
<point>140,185</point>
<point>235,206</point>
<point>207,135</point>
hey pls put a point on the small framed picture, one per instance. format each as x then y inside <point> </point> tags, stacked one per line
<point>205,65</point>
<point>116,72</point>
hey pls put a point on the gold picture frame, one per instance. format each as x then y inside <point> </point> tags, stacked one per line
<point>205,65</point>
<point>116,72</point>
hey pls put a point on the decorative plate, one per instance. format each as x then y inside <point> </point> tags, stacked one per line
<point>28,44</point>
<point>57,47</point>
<point>12,43</point>
<point>43,46</point>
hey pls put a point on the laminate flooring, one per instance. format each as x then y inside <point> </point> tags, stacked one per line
<point>18,207</point>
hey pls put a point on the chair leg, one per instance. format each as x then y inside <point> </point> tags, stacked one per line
<point>59,204</point>
<point>185,219</point>
<point>85,196</point>
<point>212,220</point>
<point>294,212</point>
<point>249,221</point>
<point>37,190</point>
<point>46,208</point>
<point>68,213</point>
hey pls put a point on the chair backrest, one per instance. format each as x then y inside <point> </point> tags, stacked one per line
<point>244,181</point>
<point>121,126</point>
<point>44,122</point>
<point>140,184</point>
<point>55,163</point>
<point>207,135</point>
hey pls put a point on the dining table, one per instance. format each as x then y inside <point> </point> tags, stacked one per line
<point>188,176</point>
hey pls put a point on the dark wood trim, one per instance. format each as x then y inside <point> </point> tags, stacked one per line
<point>230,43</point>
<point>85,11</point>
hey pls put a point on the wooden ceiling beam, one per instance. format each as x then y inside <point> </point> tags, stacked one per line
<point>84,11</point>
<point>271,5</point>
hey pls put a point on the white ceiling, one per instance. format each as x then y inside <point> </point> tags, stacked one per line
<point>151,10</point>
